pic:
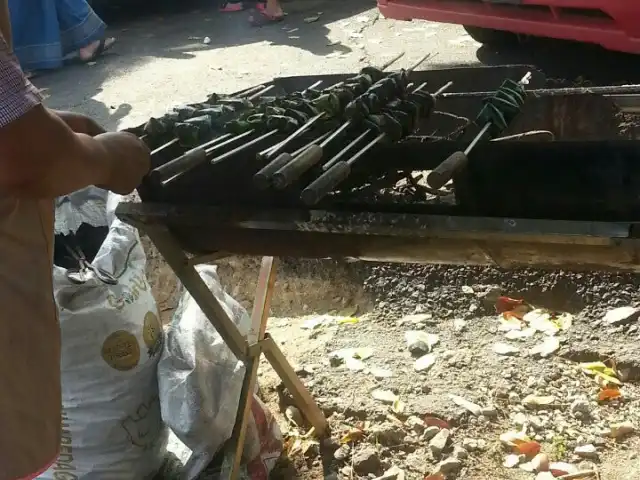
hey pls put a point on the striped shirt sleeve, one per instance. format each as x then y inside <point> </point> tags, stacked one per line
<point>17,94</point>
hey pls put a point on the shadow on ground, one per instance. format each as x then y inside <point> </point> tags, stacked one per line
<point>568,61</point>
<point>177,30</point>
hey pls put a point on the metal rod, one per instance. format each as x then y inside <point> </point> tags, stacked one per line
<point>250,143</point>
<point>313,142</point>
<point>336,158</point>
<point>418,63</point>
<point>386,65</point>
<point>553,92</point>
<point>230,140</point>
<point>250,90</point>
<point>366,148</point>
<point>162,147</point>
<point>294,135</point>
<point>439,92</point>
<point>261,92</point>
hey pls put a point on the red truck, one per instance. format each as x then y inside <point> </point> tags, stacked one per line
<point>613,24</point>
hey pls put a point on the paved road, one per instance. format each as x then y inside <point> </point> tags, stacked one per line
<point>162,59</point>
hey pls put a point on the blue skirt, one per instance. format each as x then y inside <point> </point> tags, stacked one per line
<point>46,31</point>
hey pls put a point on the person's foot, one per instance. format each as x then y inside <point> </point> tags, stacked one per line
<point>95,49</point>
<point>267,15</point>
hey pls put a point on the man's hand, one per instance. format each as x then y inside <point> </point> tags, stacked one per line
<point>130,160</point>
<point>80,123</point>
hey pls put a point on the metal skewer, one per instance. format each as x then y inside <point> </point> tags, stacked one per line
<point>244,146</point>
<point>338,170</point>
<point>348,123</point>
<point>162,147</point>
<point>192,158</point>
<point>444,172</point>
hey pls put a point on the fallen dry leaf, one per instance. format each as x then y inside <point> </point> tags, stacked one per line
<point>608,394</point>
<point>529,449</point>
<point>506,304</point>
<point>435,476</point>
<point>353,435</point>
<point>436,422</point>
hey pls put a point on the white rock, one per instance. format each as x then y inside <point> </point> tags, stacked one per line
<point>467,405</point>
<point>425,362</point>
<point>549,346</point>
<point>622,315</point>
<point>505,349</point>
<point>206,40</point>
<point>586,451</point>
<point>439,442</point>
<point>620,430</point>
<point>420,342</point>
<point>511,461</point>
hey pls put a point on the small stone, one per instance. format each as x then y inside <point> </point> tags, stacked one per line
<point>460,452</point>
<point>459,325</point>
<point>206,40</point>
<point>420,343</point>
<point>430,432</point>
<point>505,349</point>
<point>580,405</point>
<point>466,404</point>
<point>540,462</point>
<point>394,473</point>
<point>439,442</point>
<point>294,415</point>
<point>425,362</point>
<point>415,423</point>
<point>535,401</point>
<point>514,398</point>
<point>620,430</point>
<point>342,453</point>
<point>511,461</point>
<point>366,461</point>
<point>586,451</point>
<point>450,466</point>
<point>621,316</point>
<point>490,412</point>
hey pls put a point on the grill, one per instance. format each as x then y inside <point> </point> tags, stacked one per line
<point>556,186</point>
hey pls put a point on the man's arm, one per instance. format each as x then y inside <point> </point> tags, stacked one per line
<point>80,123</point>
<point>41,157</point>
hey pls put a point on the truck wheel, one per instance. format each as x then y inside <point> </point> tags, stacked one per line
<point>494,38</point>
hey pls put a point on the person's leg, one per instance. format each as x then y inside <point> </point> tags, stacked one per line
<point>82,30</point>
<point>273,8</point>
<point>36,34</point>
<point>271,13</point>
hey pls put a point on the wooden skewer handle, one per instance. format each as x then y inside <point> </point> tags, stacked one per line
<point>325,183</point>
<point>293,170</point>
<point>181,164</point>
<point>262,179</point>
<point>444,172</point>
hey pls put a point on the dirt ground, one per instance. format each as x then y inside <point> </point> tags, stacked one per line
<point>324,311</point>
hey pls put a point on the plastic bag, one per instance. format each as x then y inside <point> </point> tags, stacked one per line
<point>200,381</point>
<point>111,343</point>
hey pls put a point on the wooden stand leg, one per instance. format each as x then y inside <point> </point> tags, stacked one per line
<point>259,317</point>
<point>246,351</point>
<point>304,400</point>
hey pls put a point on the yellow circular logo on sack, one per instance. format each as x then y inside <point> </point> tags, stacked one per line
<point>152,333</point>
<point>121,350</point>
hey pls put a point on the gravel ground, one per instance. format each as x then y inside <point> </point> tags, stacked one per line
<point>386,415</point>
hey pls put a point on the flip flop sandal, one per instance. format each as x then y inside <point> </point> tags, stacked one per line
<point>101,49</point>
<point>261,6</point>
<point>263,18</point>
<point>228,7</point>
